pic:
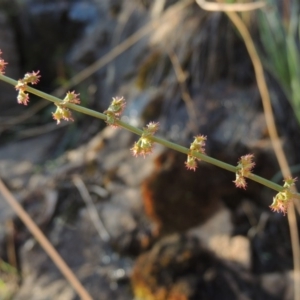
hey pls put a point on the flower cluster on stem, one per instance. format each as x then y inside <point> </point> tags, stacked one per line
<point>114,111</point>
<point>145,144</point>
<point>244,169</point>
<point>2,64</point>
<point>62,112</point>
<point>29,78</point>
<point>198,145</point>
<point>283,199</point>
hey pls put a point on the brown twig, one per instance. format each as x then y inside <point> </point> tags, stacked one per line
<point>44,242</point>
<point>212,6</point>
<point>181,78</point>
<point>92,210</point>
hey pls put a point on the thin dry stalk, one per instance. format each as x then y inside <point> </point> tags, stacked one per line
<point>211,6</point>
<point>44,242</point>
<point>277,146</point>
<point>181,78</point>
<point>92,209</point>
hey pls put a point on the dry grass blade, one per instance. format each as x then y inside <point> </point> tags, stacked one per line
<point>181,78</point>
<point>44,242</point>
<point>281,157</point>
<point>11,248</point>
<point>92,210</point>
<point>211,6</point>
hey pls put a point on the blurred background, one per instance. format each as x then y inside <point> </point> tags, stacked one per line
<point>150,229</point>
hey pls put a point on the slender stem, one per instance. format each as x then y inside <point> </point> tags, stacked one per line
<point>139,132</point>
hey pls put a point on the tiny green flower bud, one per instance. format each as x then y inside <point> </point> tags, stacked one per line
<point>71,97</point>
<point>151,128</point>
<point>144,145</point>
<point>114,111</point>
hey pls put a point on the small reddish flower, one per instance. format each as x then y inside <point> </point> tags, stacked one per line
<point>114,111</point>
<point>21,86</point>
<point>2,64</point>
<point>191,163</point>
<point>62,113</point>
<point>22,98</point>
<point>117,106</point>
<point>240,181</point>
<point>144,145</point>
<point>283,199</point>
<point>244,169</point>
<point>71,97</point>
<point>32,78</point>
<point>246,164</point>
<point>152,128</point>
<point>198,145</point>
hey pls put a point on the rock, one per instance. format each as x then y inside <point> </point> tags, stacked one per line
<point>216,233</point>
<point>236,248</point>
<point>219,224</point>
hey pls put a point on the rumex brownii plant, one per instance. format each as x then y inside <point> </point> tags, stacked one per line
<point>144,145</point>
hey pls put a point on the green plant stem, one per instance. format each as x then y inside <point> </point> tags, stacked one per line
<point>139,132</point>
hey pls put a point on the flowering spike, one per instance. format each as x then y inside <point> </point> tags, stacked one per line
<point>244,169</point>
<point>62,112</point>
<point>145,144</point>
<point>198,145</point>
<point>32,78</point>
<point>283,199</point>
<point>2,64</point>
<point>115,110</point>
